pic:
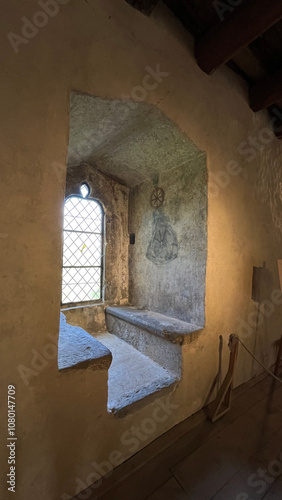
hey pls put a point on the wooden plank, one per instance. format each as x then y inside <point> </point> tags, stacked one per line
<point>266,91</point>
<point>168,491</point>
<point>139,485</point>
<point>145,6</point>
<point>275,492</point>
<point>155,460</point>
<point>247,22</point>
<point>280,272</point>
<point>279,134</point>
<point>147,478</point>
<point>248,481</point>
<point>188,15</point>
<point>204,472</point>
<point>251,65</point>
<point>279,359</point>
<point>276,121</point>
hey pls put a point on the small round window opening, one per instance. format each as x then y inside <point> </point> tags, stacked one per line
<point>85,190</point>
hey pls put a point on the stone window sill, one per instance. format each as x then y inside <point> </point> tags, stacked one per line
<point>79,350</point>
<point>156,324</point>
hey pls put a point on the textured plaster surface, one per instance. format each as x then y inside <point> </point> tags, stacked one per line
<point>133,142</point>
<point>77,349</point>
<point>175,287</point>
<point>132,376</point>
<point>102,48</point>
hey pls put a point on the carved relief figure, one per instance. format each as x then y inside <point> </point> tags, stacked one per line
<point>163,246</point>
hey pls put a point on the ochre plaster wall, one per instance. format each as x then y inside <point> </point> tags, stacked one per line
<point>103,47</point>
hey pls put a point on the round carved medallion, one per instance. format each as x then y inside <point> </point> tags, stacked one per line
<point>157,197</point>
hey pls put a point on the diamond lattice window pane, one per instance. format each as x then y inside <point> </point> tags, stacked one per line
<point>82,215</point>
<point>82,250</point>
<point>81,284</point>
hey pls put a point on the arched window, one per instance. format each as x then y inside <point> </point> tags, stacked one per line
<point>83,248</point>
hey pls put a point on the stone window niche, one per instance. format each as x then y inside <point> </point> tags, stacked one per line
<point>151,180</point>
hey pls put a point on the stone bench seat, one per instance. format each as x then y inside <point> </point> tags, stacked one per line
<point>154,323</point>
<point>79,350</point>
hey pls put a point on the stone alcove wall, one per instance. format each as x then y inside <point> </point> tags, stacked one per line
<point>168,260</point>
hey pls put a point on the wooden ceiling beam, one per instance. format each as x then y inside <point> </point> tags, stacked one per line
<point>145,6</point>
<point>247,22</point>
<point>188,16</point>
<point>279,133</point>
<point>276,121</point>
<point>266,91</point>
<point>275,113</point>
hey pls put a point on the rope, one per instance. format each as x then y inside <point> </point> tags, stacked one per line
<point>259,362</point>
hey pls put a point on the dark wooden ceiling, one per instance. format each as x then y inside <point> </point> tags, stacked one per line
<point>244,34</point>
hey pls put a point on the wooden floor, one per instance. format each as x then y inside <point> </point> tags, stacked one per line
<point>239,457</point>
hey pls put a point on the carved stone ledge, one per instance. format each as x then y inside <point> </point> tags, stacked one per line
<point>79,350</point>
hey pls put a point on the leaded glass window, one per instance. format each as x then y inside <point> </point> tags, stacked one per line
<point>83,248</point>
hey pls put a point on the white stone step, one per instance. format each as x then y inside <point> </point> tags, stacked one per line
<point>132,375</point>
